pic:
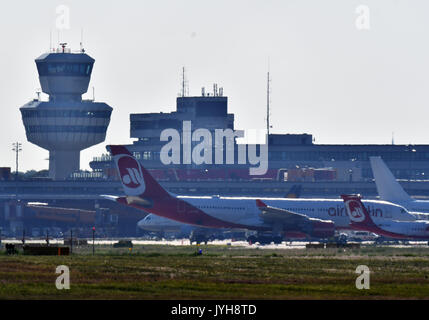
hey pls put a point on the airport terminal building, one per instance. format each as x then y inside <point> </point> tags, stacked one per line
<point>291,157</point>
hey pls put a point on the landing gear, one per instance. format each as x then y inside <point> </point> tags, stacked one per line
<point>379,240</point>
<point>198,238</point>
<point>341,239</point>
<point>277,240</point>
<point>264,239</point>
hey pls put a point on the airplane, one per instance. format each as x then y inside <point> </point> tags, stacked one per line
<point>306,218</point>
<point>162,226</point>
<point>390,190</point>
<point>360,219</point>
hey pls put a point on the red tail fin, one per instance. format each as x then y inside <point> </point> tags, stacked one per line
<point>357,212</point>
<point>136,180</point>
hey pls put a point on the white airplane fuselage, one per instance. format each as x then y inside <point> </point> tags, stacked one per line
<point>412,229</point>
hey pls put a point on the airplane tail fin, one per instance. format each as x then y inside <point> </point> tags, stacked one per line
<point>358,214</point>
<point>388,188</point>
<point>294,192</point>
<point>136,180</point>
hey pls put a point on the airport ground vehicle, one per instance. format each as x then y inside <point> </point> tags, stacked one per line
<point>361,236</point>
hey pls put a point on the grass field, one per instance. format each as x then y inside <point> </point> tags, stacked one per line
<point>222,272</point>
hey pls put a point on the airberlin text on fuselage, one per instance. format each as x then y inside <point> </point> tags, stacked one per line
<point>340,211</point>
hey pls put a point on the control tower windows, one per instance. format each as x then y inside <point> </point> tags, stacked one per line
<point>64,69</point>
<point>65,114</point>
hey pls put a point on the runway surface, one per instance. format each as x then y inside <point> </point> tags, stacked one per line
<point>227,242</point>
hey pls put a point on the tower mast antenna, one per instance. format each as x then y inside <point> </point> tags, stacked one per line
<point>81,41</point>
<point>183,82</point>
<point>268,103</point>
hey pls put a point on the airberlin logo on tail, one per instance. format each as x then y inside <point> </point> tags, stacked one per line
<point>355,211</point>
<point>131,175</point>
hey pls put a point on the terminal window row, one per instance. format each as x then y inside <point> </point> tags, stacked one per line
<point>333,156</point>
<point>50,129</point>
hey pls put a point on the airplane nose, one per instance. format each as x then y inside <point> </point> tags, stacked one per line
<point>141,224</point>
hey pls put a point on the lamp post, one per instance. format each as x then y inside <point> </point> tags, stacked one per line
<point>16,148</point>
<point>93,240</point>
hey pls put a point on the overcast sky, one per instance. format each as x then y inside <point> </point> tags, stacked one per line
<point>341,83</point>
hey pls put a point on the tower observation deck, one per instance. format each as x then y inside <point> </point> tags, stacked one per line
<point>65,124</point>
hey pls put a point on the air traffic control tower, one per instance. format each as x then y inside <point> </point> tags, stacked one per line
<point>65,124</point>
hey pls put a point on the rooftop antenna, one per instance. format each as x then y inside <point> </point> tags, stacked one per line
<point>63,45</point>
<point>81,41</point>
<point>393,138</point>
<point>183,82</point>
<point>268,103</point>
<point>268,99</point>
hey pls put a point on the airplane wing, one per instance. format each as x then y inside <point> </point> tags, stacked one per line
<point>145,203</point>
<point>273,214</point>
<point>108,197</point>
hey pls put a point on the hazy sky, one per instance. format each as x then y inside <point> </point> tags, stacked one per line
<point>330,79</point>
